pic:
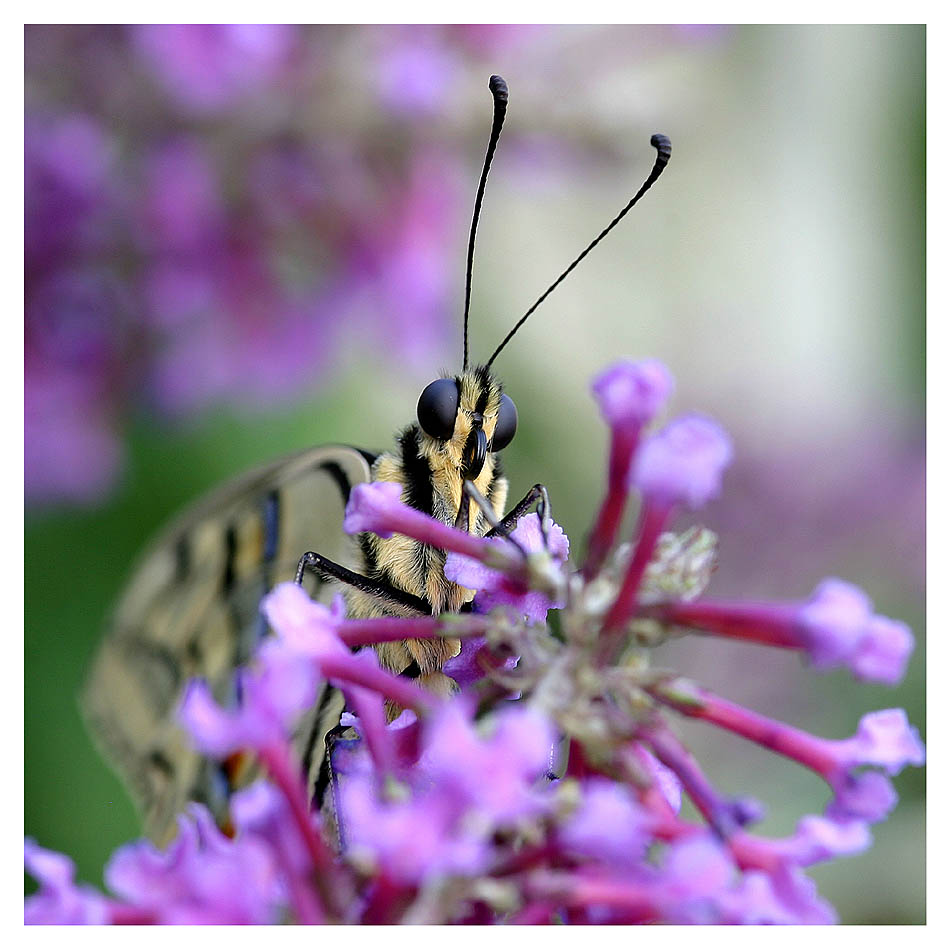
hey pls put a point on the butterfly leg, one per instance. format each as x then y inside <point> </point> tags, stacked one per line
<point>538,495</point>
<point>327,569</point>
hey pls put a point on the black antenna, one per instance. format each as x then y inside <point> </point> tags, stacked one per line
<point>499,90</point>
<point>663,150</point>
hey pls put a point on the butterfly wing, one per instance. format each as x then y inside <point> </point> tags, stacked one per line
<point>191,610</point>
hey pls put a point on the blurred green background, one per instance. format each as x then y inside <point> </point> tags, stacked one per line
<point>777,268</point>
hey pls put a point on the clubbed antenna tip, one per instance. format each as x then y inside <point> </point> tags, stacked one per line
<point>499,91</point>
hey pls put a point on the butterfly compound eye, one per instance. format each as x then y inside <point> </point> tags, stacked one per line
<point>437,408</point>
<point>505,426</point>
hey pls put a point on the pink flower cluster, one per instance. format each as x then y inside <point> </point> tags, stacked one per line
<point>548,789</point>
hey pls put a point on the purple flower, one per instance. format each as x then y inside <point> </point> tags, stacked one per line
<point>409,272</point>
<point>841,630</point>
<point>377,507</point>
<point>867,796</point>
<point>75,310</point>
<point>369,507</point>
<point>834,627</point>
<point>303,625</point>
<point>203,877</point>
<point>696,868</point>
<point>817,839</point>
<point>442,821</point>
<point>274,692</point>
<point>509,761</point>
<point>415,75</point>
<point>785,897</point>
<point>408,841</point>
<point>466,668</point>
<point>608,826</point>
<point>59,900</point>
<point>667,782</point>
<point>69,195</point>
<point>262,810</point>
<point>308,640</point>
<point>449,813</point>
<point>264,813</point>
<point>71,452</point>
<point>684,462</point>
<point>182,210</point>
<point>884,739</point>
<point>632,393</point>
<point>496,588</point>
<point>205,67</point>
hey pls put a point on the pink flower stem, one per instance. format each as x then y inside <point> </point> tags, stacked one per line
<point>538,913</point>
<point>670,751</point>
<point>695,702</point>
<point>577,763</point>
<point>371,712</point>
<point>342,669</point>
<point>634,759</point>
<point>122,915</point>
<point>754,853</point>
<point>576,891</point>
<point>402,519</point>
<point>305,901</point>
<point>623,445</point>
<point>653,517</point>
<point>771,624</point>
<point>387,901</point>
<point>387,629</point>
<point>750,851</point>
<point>276,759</point>
<point>524,859</point>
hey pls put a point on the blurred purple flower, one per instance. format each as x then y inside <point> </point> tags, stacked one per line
<point>404,261</point>
<point>817,839</point>
<point>73,339</point>
<point>509,761</point>
<point>496,588</point>
<point>466,668</point>
<point>415,73</point>
<point>69,194</point>
<point>842,630</point>
<point>277,689</point>
<point>834,627</point>
<point>885,739</point>
<point>408,841</point>
<point>59,900</point>
<point>442,821</point>
<point>608,825</point>
<point>684,462</point>
<point>785,897</point>
<point>71,452</point>
<point>207,67</point>
<point>367,507</point>
<point>631,393</point>
<point>182,209</point>
<point>202,877</point>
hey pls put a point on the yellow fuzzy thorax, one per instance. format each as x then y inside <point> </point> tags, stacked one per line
<point>416,567</point>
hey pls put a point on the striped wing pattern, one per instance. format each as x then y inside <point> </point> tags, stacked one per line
<point>192,610</point>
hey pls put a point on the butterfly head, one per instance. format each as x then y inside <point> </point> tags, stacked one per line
<point>466,416</point>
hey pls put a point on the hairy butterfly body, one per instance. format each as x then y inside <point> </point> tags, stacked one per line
<point>192,606</point>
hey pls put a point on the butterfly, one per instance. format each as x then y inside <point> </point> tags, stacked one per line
<point>191,608</point>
